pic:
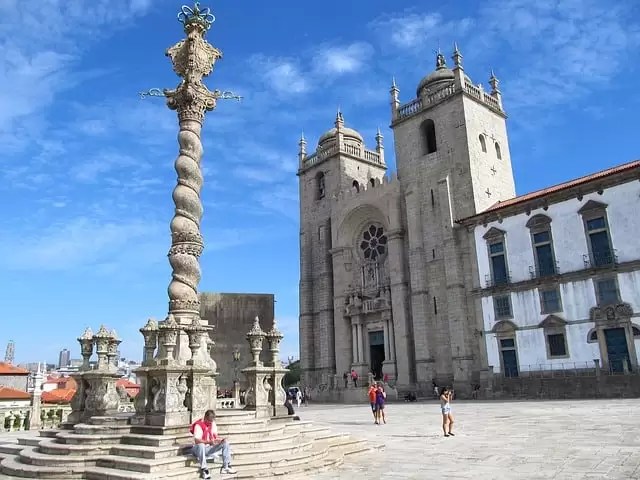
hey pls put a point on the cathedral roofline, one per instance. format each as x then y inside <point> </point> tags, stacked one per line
<point>557,193</point>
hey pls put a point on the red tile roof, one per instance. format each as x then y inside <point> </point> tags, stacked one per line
<point>59,395</point>
<point>8,369</point>
<point>132,388</point>
<point>62,382</point>
<point>563,186</point>
<point>8,393</point>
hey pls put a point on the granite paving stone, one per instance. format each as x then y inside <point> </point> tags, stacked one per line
<point>511,440</point>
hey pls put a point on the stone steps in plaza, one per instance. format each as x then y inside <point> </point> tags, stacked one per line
<point>107,448</point>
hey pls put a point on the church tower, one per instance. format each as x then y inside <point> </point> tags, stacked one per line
<point>340,163</point>
<point>453,160</point>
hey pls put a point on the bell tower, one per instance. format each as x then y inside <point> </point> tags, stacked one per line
<point>341,162</point>
<point>453,160</point>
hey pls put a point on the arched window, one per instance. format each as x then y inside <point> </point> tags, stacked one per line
<point>356,185</point>
<point>498,152</point>
<point>320,189</point>
<point>592,336</point>
<point>372,182</point>
<point>428,130</point>
<point>483,143</point>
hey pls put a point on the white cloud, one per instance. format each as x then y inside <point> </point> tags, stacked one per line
<point>282,74</point>
<point>410,30</point>
<point>337,60</point>
<point>40,48</point>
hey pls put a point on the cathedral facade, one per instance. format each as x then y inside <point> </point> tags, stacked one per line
<point>386,270</point>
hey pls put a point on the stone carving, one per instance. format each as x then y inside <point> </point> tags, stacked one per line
<point>158,394</point>
<point>610,313</point>
<point>150,334</point>
<point>112,350</point>
<point>86,348</point>
<point>102,339</point>
<point>255,337</point>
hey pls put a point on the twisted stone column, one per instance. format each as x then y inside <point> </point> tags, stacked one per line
<point>193,58</point>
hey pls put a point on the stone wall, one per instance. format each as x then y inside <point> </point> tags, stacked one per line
<point>578,387</point>
<point>231,315</point>
<point>15,381</point>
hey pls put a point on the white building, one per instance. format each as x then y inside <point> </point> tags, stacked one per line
<point>559,273</point>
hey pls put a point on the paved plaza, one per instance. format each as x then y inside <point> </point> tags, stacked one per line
<point>565,440</point>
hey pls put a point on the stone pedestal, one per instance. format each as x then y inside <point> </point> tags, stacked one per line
<point>258,392</point>
<point>100,395</point>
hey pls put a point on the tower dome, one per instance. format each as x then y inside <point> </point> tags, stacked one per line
<point>348,133</point>
<point>439,78</point>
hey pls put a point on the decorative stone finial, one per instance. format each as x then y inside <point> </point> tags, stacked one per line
<point>274,337</point>
<point>457,56</point>
<point>394,86</point>
<point>202,18</point>
<point>87,335</point>
<point>302,144</point>
<point>494,82</point>
<point>441,62</point>
<point>255,337</point>
<point>339,119</point>
<point>150,334</point>
<point>102,339</point>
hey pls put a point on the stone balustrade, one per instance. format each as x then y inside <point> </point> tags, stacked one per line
<point>333,149</point>
<point>226,403</point>
<point>417,105</point>
<point>18,418</point>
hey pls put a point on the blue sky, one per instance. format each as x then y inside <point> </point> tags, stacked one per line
<point>86,167</point>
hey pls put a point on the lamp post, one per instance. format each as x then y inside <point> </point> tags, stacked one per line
<point>236,383</point>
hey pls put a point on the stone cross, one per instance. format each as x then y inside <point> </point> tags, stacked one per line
<point>488,192</point>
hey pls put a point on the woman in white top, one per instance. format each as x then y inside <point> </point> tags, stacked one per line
<point>445,407</point>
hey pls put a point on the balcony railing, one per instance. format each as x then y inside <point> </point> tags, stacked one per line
<point>600,259</point>
<point>18,418</point>
<point>497,280</point>
<point>541,271</point>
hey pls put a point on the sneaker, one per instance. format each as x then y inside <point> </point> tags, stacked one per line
<point>228,470</point>
<point>204,474</point>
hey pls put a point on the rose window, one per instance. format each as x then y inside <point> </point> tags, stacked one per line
<point>373,243</point>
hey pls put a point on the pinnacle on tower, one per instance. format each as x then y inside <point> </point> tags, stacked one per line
<point>494,82</point>
<point>302,144</point>
<point>441,62</point>
<point>394,87</point>
<point>379,136</point>
<point>457,56</point>
<point>339,119</point>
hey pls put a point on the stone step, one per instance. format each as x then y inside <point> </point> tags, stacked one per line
<point>51,433</point>
<point>234,413</point>
<point>107,429</point>
<point>119,419</point>
<point>144,451</point>
<point>52,446</point>
<point>31,456</point>
<point>10,448</point>
<point>142,465</point>
<point>13,467</point>
<point>31,441</point>
<point>268,431</point>
<point>154,440</point>
<point>80,439</point>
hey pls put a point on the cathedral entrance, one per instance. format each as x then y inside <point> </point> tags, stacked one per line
<point>376,353</point>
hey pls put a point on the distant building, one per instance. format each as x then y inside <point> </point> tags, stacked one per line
<point>14,377</point>
<point>231,315</point>
<point>63,359</point>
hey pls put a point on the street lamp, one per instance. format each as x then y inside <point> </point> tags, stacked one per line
<point>236,383</point>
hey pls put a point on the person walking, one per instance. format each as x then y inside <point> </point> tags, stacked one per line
<point>299,397</point>
<point>345,377</point>
<point>445,406</point>
<point>381,396</point>
<point>207,444</point>
<point>354,378</point>
<point>372,401</point>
